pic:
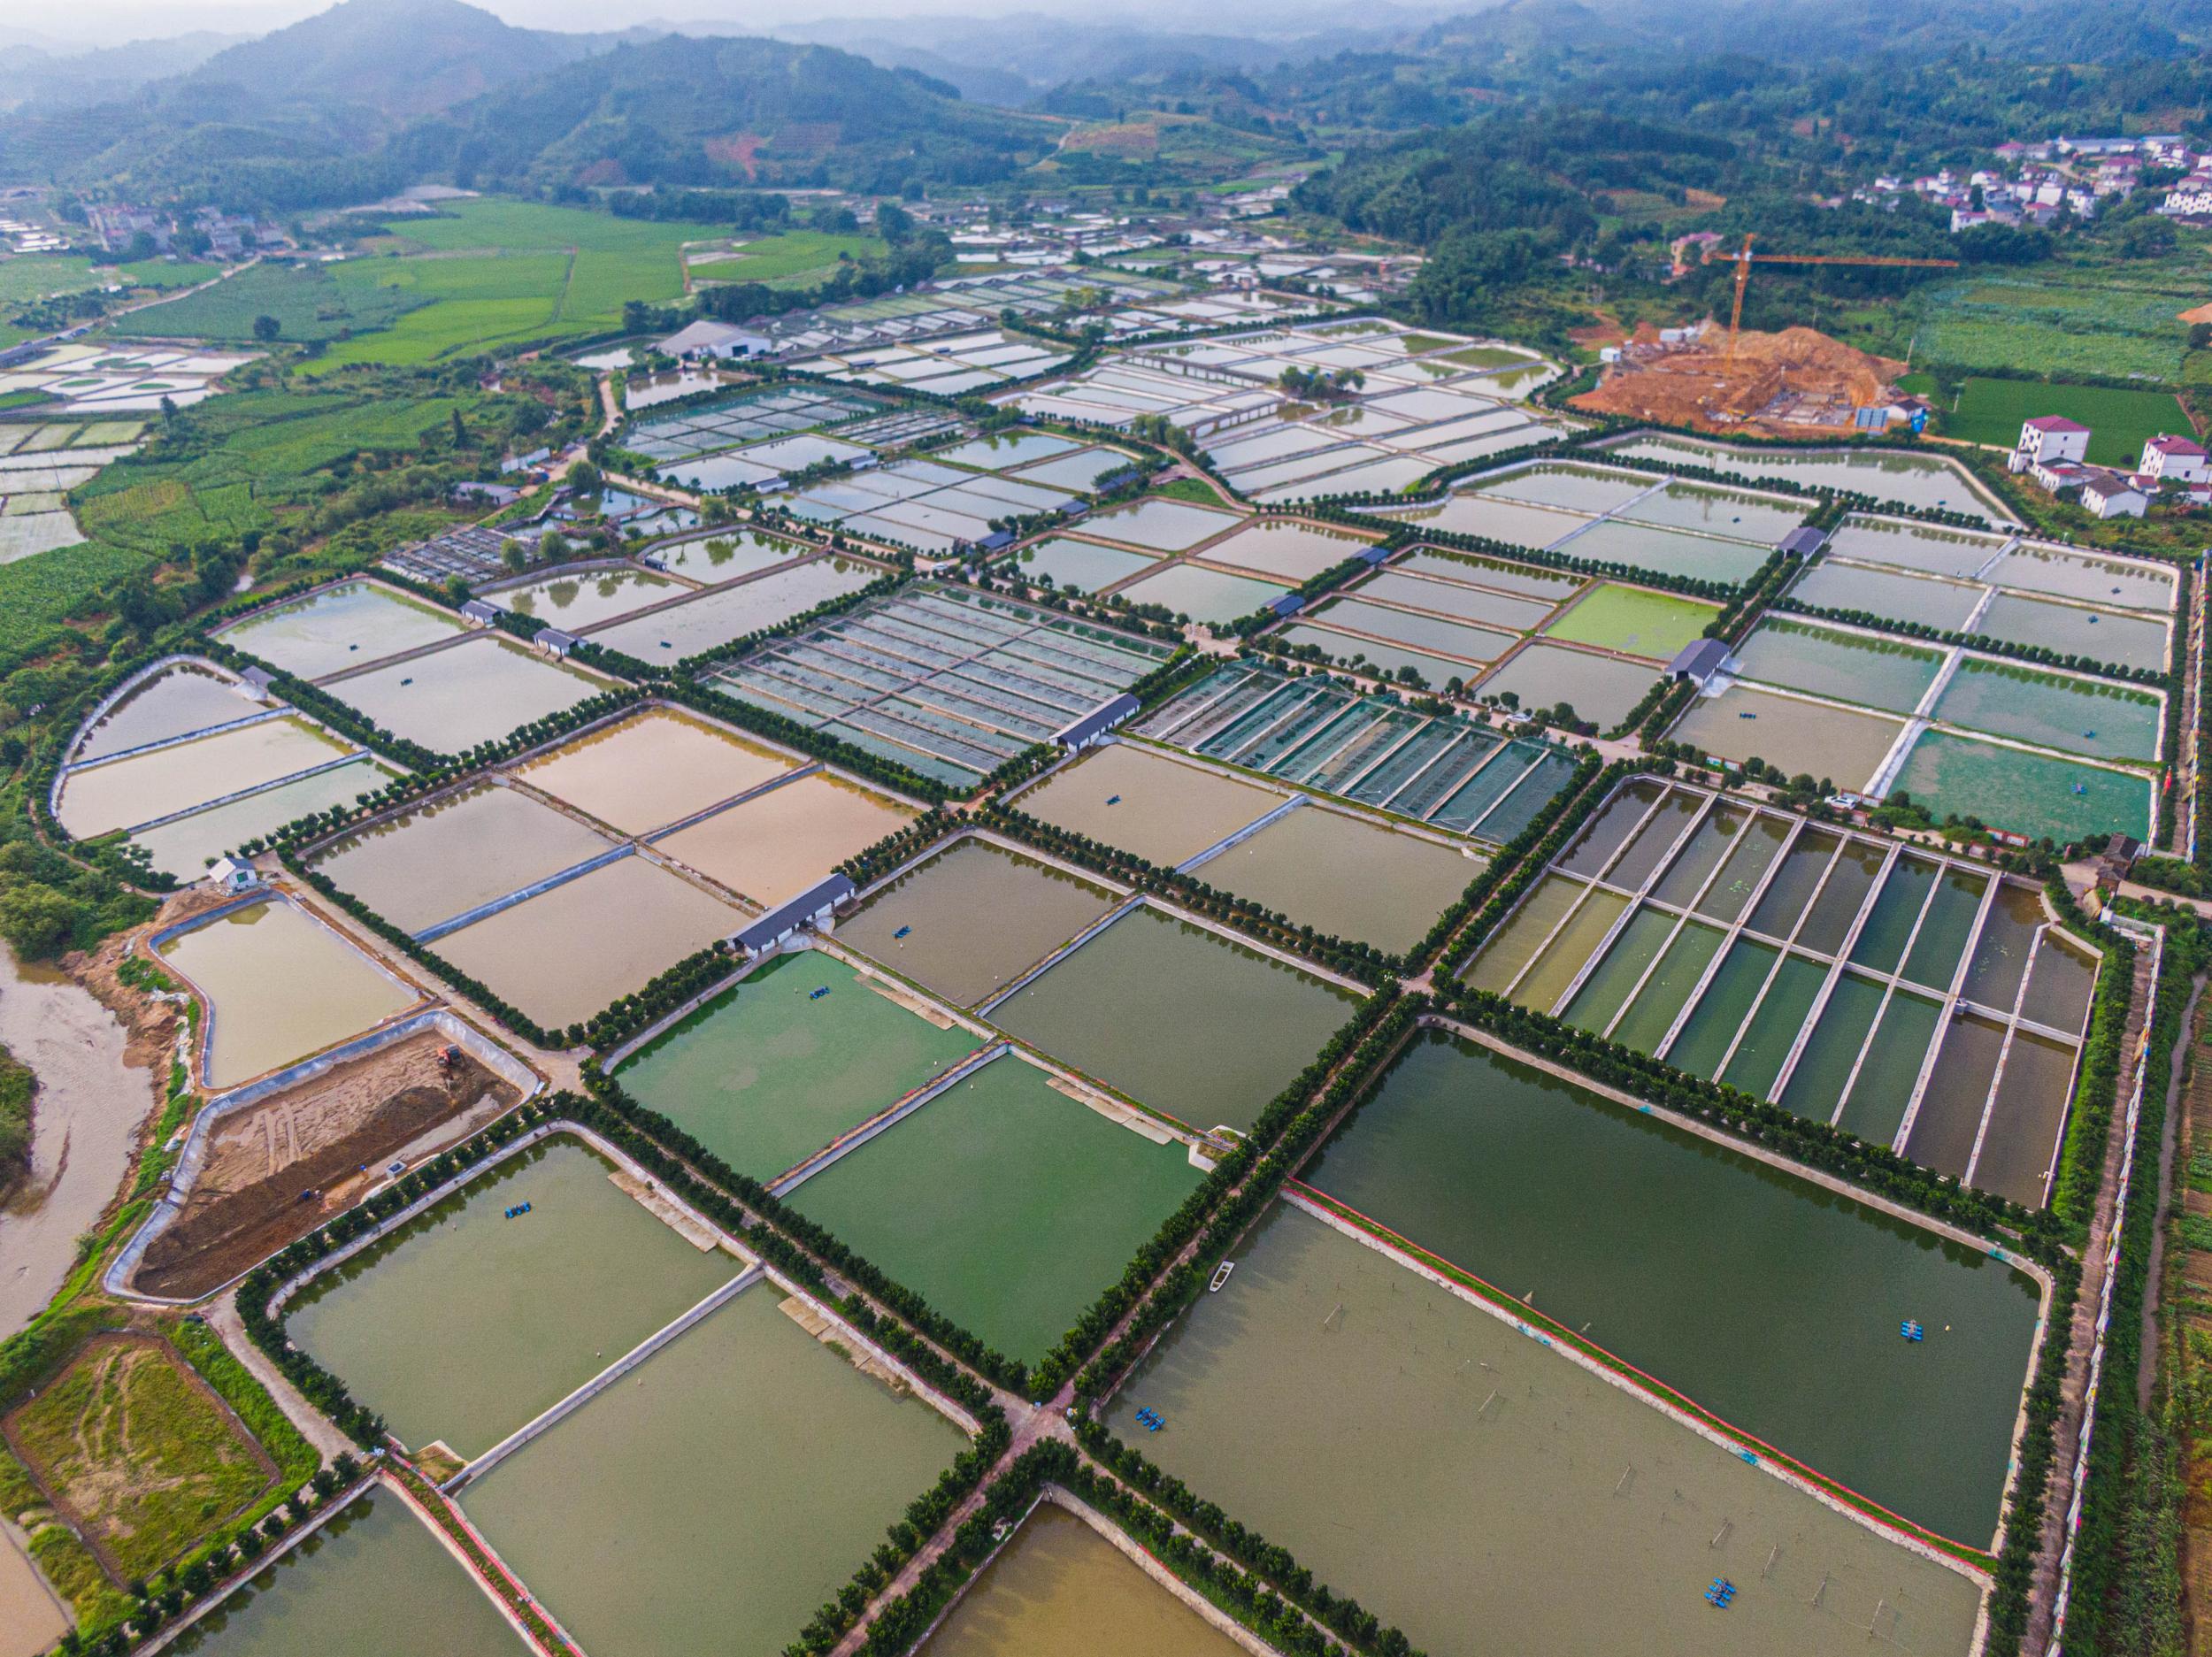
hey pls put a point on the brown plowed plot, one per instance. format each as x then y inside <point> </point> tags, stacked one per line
<point>1794,383</point>
<point>137,1453</point>
<point>332,1136</point>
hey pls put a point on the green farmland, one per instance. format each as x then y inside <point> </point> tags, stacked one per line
<point>307,303</point>
<point>33,276</point>
<point>2120,421</point>
<point>488,273</point>
<point>797,258</point>
<point>2059,324</point>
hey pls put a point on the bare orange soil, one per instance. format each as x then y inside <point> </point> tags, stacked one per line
<point>1798,382</point>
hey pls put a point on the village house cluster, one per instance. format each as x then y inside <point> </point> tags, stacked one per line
<point>2054,450</point>
<point>2034,185</point>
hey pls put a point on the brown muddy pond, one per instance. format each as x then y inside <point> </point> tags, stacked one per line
<point>477,692</point>
<point>279,986</point>
<point>1160,809</point>
<point>127,792</point>
<point>565,953</point>
<point>972,920</point>
<point>1345,876</point>
<point>442,859</point>
<point>1839,743</point>
<point>776,845</point>
<point>1059,1589</point>
<point>642,773</point>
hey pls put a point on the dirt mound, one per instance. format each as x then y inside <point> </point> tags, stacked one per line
<point>1797,382</point>
<point>280,1167</point>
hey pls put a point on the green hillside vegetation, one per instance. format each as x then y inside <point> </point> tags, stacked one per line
<point>688,112</point>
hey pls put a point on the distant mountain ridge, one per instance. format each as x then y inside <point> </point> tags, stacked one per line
<point>372,95</point>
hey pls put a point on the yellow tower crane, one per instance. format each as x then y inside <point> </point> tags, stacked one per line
<point>1743,260</point>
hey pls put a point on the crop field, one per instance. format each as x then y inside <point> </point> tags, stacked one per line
<point>2120,421</point>
<point>270,441</point>
<point>496,273</point>
<point>2057,328</point>
<point>307,301</point>
<point>40,275</point>
<point>139,1451</point>
<point>796,259</point>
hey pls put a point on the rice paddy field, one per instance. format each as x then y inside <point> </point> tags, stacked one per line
<point>2120,421</point>
<point>487,272</point>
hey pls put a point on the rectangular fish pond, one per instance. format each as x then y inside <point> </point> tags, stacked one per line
<point>570,951</point>
<point>477,691</point>
<point>775,846</point>
<point>279,985</point>
<point>463,1325</point>
<point>1058,1589</point>
<point>1158,807</point>
<point>1005,1203</point>
<point>342,626</point>
<point>1456,1476</point>
<point>1709,937</point>
<point>653,769</point>
<point>1346,876</point>
<point>771,1070</point>
<point>708,1502</point>
<point>1178,1018</point>
<point>968,921</point>
<point>372,1581</point>
<point>147,788</point>
<point>439,860</point>
<point>1632,1230</point>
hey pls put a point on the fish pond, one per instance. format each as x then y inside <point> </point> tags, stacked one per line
<point>279,985</point>
<point>1629,1228</point>
<point>1005,1203</point>
<point>968,921</point>
<point>712,1500</point>
<point>372,1581</point>
<point>465,1324</point>
<point>1178,1018</point>
<point>1426,1457</point>
<point>570,951</point>
<point>771,1070</point>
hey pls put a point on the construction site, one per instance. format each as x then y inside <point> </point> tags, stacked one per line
<point>1796,383</point>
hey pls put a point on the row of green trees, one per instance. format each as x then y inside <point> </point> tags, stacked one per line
<point>1253,1172</point>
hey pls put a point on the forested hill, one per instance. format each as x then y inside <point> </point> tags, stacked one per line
<point>373,94</point>
<point>682,111</point>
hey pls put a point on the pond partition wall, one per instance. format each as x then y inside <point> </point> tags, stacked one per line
<point>1826,970</point>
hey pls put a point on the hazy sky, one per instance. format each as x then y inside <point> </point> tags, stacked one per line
<point>107,22</point>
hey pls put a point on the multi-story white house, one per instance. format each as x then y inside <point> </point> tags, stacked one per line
<point>2048,438</point>
<point>2175,460</point>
